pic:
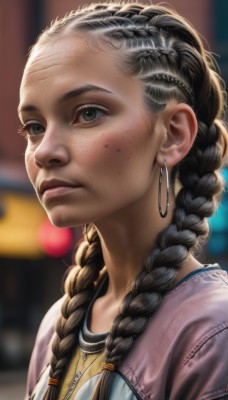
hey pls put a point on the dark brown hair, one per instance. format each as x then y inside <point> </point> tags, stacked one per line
<point>159,47</point>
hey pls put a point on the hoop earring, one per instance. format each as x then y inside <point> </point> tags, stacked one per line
<point>163,214</point>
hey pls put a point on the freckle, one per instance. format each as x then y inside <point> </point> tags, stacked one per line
<point>119,172</point>
<point>118,150</point>
<point>106,146</point>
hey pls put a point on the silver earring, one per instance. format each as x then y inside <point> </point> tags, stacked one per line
<point>163,214</point>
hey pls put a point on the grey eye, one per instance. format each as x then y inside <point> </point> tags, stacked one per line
<point>86,114</point>
<point>33,129</point>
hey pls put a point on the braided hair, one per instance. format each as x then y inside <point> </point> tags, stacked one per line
<point>165,53</point>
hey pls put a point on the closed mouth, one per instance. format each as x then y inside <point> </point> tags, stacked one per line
<point>54,184</point>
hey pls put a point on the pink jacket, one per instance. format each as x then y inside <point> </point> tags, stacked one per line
<point>182,355</point>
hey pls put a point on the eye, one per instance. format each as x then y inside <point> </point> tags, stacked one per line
<point>32,129</point>
<point>88,113</point>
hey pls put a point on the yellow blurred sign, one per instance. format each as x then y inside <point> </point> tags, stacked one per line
<point>19,223</point>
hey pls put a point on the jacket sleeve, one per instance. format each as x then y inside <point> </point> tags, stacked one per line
<point>42,348</point>
<point>204,372</point>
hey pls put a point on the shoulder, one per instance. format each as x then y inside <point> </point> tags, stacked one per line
<point>201,295</point>
<point>41,351</point>
<point>187,337</point>
<point>200,302</point>
<point>204,349</point>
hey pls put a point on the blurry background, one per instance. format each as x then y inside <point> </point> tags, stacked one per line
<point>33,254</point>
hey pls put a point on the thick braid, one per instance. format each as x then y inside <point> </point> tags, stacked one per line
<point>201,183</point>
<point>166,54</point>
<point>79,289</point>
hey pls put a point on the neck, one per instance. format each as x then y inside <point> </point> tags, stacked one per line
<point>126,242</point>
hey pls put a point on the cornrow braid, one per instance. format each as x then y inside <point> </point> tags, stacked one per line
<point>156,53</point>
<point>173,80</point>
<point>131,31</point>
<point>165,53</point>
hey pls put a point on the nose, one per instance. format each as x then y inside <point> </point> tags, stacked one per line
<point>52,151</point>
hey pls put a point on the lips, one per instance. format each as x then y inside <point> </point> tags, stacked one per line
<point>53,184</point>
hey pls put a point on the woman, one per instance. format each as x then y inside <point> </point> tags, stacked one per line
<point>121,107</point>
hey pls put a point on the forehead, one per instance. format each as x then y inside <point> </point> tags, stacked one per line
<point>71,59</point>
<point>51,54</point>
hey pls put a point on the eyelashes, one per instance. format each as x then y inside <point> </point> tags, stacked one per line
<point>22,131</point>
<point>31,129</point>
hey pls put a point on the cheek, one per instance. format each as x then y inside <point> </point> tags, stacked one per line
<point>30,165</point>
<point>116,151</point>
<point>108,154</point>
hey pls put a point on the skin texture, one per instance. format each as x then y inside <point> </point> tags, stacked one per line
<point>111,162</point>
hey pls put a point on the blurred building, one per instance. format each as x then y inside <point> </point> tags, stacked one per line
<point>33,255</point>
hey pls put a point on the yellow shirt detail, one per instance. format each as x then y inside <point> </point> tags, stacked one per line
<point>82,367</point>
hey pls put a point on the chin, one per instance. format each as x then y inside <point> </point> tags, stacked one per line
<point>63,221</point>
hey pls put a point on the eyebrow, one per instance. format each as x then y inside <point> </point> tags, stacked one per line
<point>83,89</point>
<point>67,96</point>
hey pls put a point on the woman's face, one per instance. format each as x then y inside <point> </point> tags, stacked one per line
<point>91,141</point>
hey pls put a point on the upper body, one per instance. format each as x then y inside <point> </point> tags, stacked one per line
<point>122,108</point>
<point>181,355</point>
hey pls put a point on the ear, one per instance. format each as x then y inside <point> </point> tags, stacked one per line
<point>179,132</point>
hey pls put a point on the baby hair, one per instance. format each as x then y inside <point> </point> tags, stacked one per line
<point>161,49</point>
